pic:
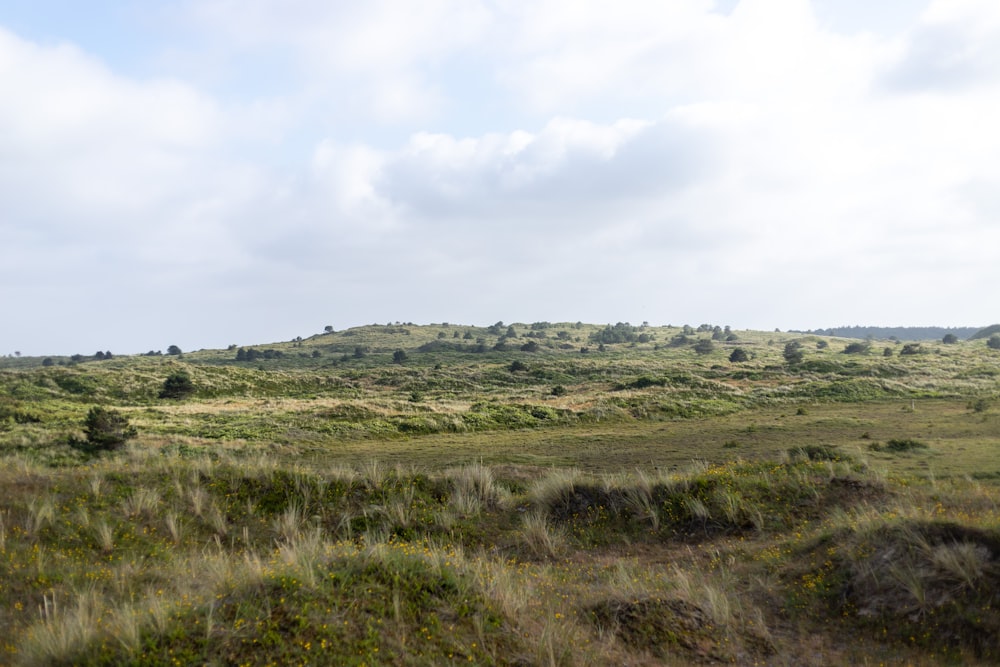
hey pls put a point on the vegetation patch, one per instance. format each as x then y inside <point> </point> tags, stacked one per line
<point>818,453</point>
<point>931,583</point>
<point>675,627</point>
<point>899,446</point>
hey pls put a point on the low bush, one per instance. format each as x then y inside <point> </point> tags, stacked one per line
<point>898,446</point>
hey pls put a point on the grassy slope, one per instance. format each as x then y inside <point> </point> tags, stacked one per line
<point>249,524</point>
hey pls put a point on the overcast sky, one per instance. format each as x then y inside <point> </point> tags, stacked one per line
<point>207,172</point>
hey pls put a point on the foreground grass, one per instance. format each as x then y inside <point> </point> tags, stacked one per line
<point>166,560</point>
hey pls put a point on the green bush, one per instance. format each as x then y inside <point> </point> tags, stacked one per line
<point>704,346</point>
<point>897,446</point>
<point>177,385</point>
<point>979,405</point>
<point>817,453</point>
<point>106,429</point>
<point>793,352</point>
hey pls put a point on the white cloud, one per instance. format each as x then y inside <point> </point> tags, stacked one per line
<point>956,44</point>
<point>643,162</point>
<point>369,60</point>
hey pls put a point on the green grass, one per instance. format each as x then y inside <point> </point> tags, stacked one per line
<point>253,562</point>
<point>662,507</point>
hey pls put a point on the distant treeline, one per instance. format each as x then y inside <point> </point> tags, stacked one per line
<point>899,333</point>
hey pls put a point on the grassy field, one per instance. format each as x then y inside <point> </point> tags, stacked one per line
<point>551,494</point>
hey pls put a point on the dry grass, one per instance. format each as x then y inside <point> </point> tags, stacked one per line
<point>541,538</point>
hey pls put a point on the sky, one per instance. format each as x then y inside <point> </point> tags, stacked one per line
<point>203,173</point>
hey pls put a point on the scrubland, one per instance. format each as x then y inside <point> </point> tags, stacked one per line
<point>646,501</point>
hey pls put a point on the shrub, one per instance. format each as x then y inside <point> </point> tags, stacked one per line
<point>793,352</point>
<point>994,342</point>
<point>857,348</point>
<point>887,352</point>
<point>911,348</point>
<point>979,405</point>
<point>739,356</point>
<point>898,446</point>
<point>623,332</point>
<point>177,385</point>
<point>704,346</point>
<point>107,429</point>
<point>680,340</point>
<point>558,390</point>
<point>174,350</point>
<point>398,357</point>
<point>516,366</point>
<point>949,339</point>
<point>530,346</point>
<point>817,453</point>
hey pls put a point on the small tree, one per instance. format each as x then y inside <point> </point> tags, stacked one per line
<point>739,356</point>
<point>177,385</point>
<point>398,357</point>
<point>328,328</point>
<point>994,342</point>
<point>174,350</point>
<point>106,429</point>
<point>793,352</point>
<point>949,339</point>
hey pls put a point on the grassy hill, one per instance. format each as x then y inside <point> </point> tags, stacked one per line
<point>540,493</point>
